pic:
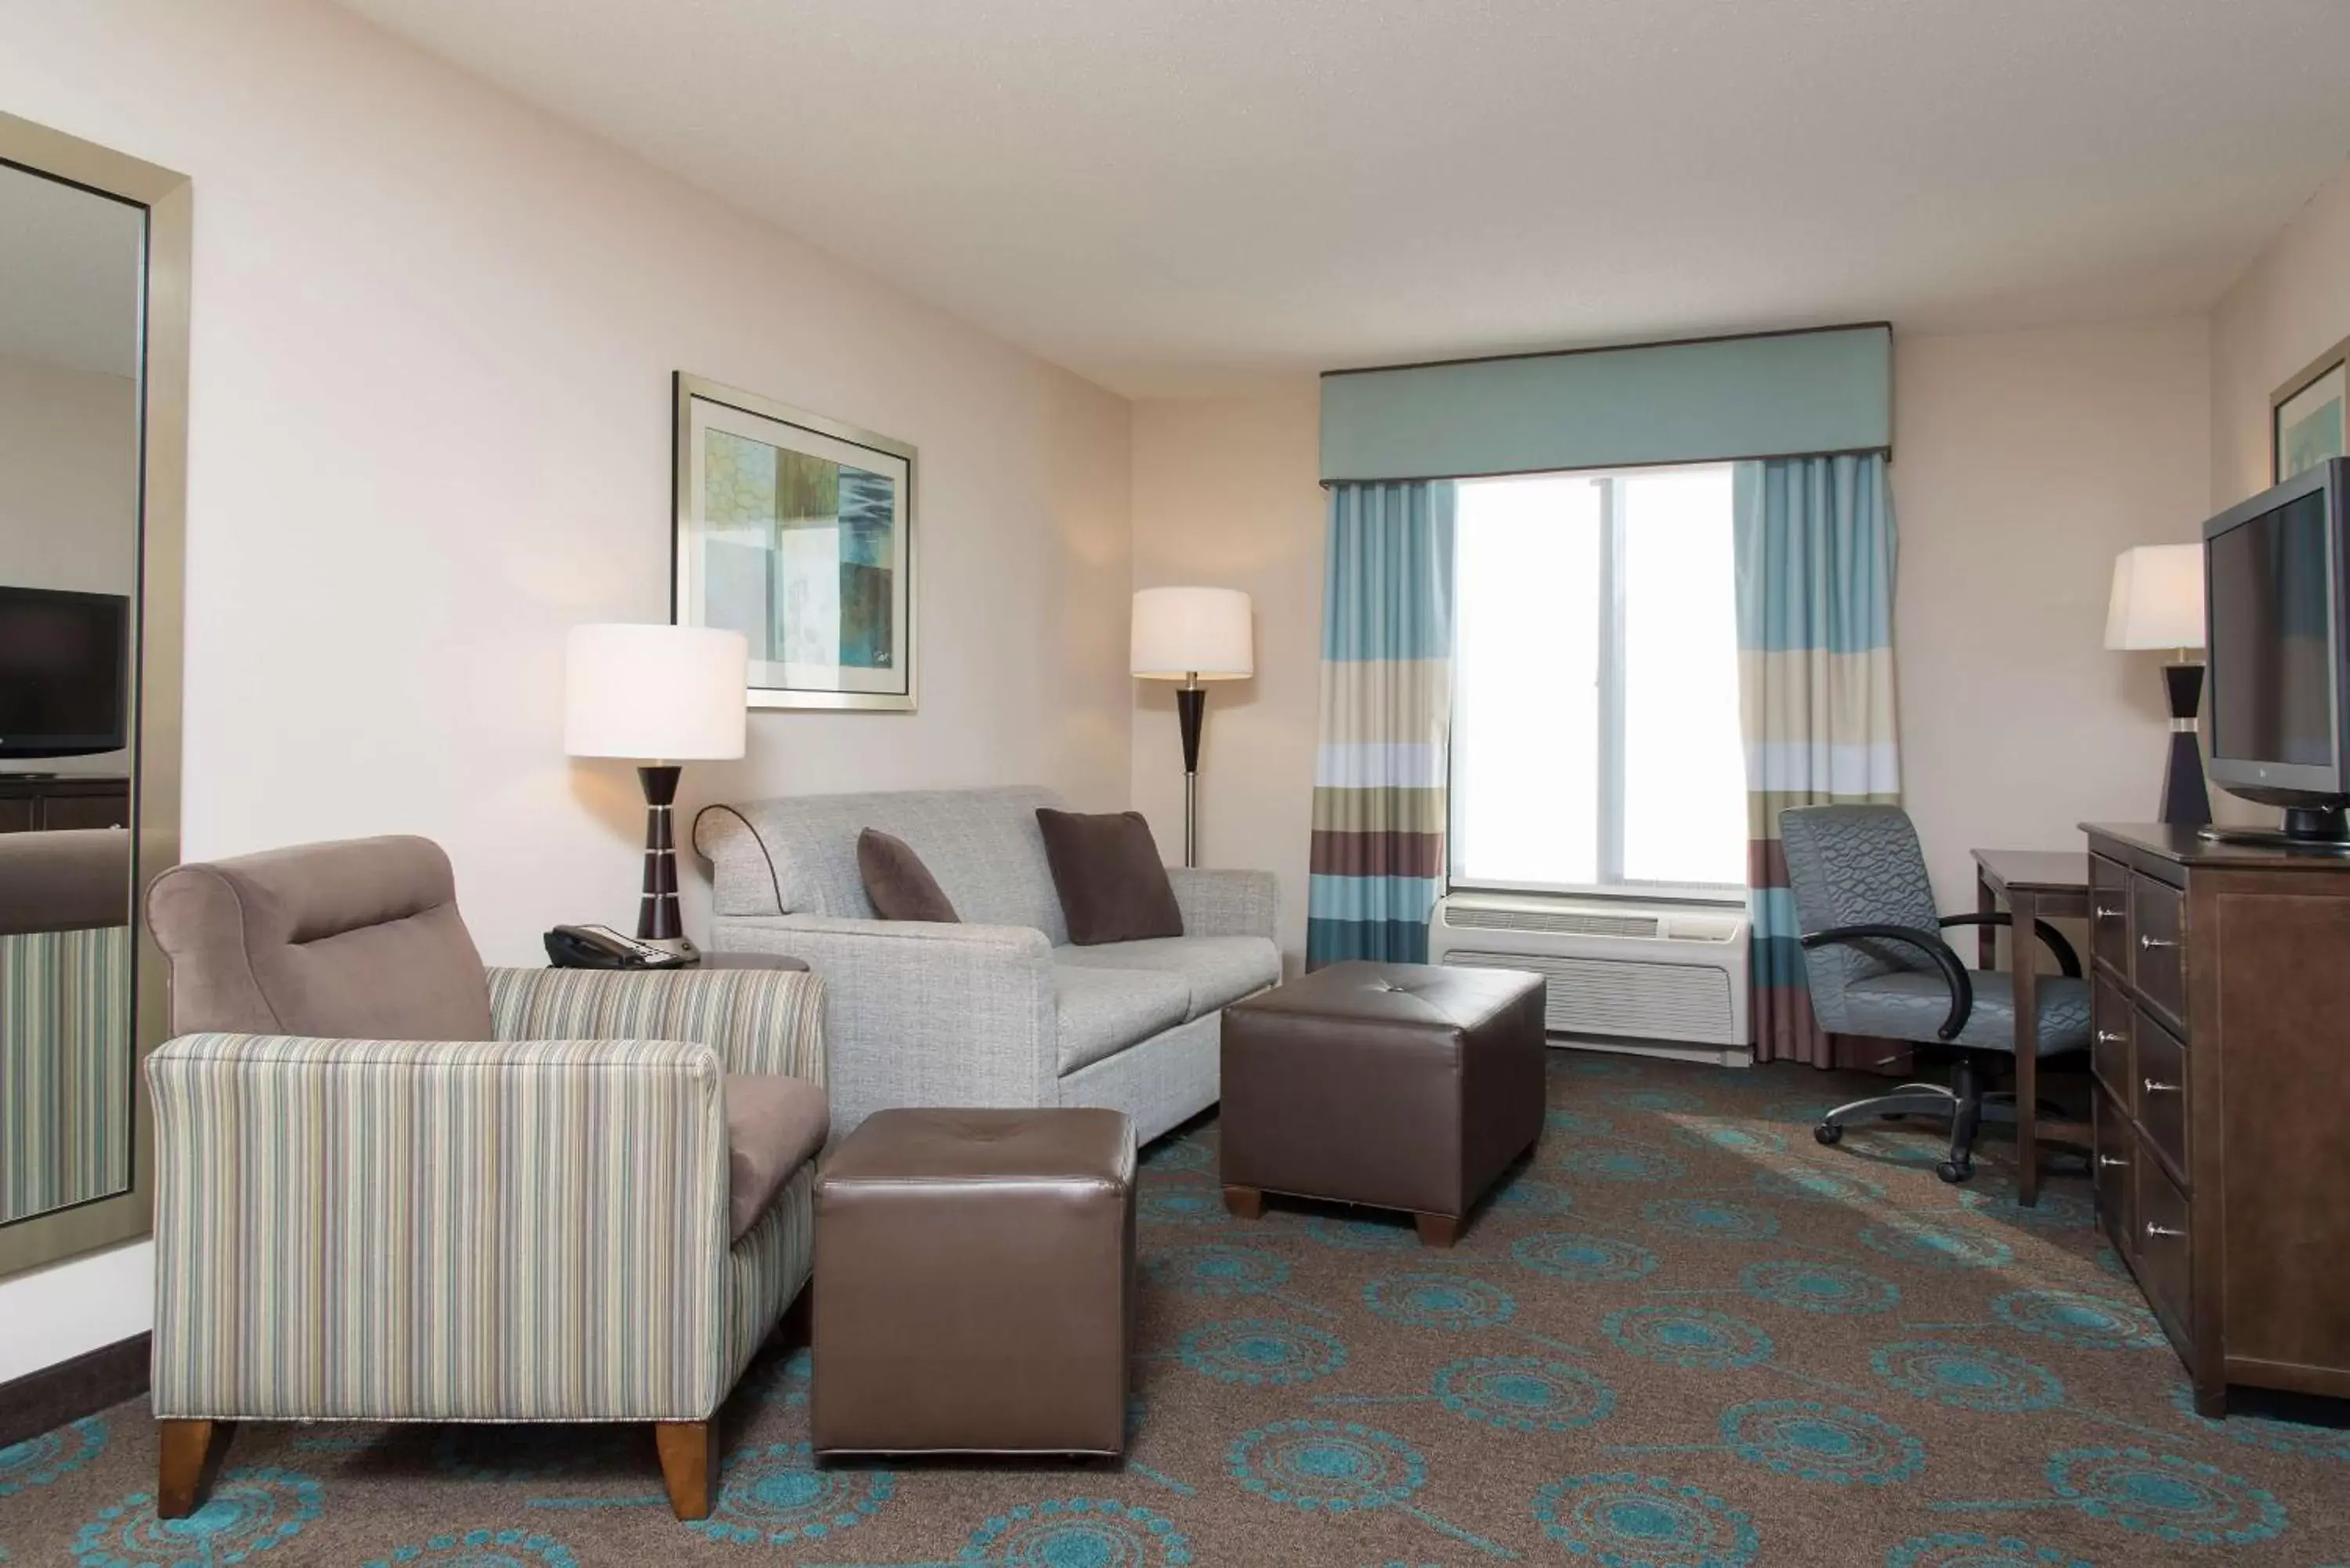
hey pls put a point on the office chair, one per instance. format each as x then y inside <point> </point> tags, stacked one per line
<point>1878,965</point>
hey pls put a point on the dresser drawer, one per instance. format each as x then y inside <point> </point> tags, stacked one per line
<point>2111,1018</point>
<point>2116,1157</point>
<point>2163,1252</point>
<point>2160,1094</point>
<point>2109,912</point>
<point>2157,927</point>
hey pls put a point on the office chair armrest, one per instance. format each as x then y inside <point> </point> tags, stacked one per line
<point>2068,963</point>
<point>1954,973</point>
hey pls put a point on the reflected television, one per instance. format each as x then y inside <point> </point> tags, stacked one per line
<point>65,660</point>
<point>2279,661</point>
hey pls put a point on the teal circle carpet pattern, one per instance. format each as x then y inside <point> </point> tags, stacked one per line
<point>1682,1334</point>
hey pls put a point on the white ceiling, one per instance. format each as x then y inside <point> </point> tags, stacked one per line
<point>1176,195</point>
<point>69,266</point>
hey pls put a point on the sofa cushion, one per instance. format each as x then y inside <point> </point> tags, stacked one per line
<point>1105,868</point>
<point>1219,971</point>
<point>1101,1012</point>
<point>901,886</point>
<point>774,1125</point>
<point>799,856</point>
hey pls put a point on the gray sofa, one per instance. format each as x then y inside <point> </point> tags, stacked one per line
<point>999,1010</point>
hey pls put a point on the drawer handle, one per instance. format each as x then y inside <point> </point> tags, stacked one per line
<point>2111,1037</point>
<point>2148,944</point>
<point>2154,1230</point>
<point>2110,1163</point>
<point>2113,914</point>
<point>2155,1086</point>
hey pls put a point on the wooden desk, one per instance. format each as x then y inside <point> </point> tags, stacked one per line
<point>2034,885</point>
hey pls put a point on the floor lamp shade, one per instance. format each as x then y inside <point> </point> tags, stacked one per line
<point>660,695</point>
<point>1182,634</point>
<point>1191,635</point>
<point>2157,602</point>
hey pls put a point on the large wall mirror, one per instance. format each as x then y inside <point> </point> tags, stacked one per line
<point>93,404</point>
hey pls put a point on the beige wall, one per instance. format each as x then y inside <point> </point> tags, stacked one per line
<point>2024,463</point>
<point>434,333</point>
<point>1227,494</point>
<point>68,491</point>
<point>2289,306</point>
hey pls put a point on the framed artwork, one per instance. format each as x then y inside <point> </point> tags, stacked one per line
<point>2309,416</point>
<point>797,530</point>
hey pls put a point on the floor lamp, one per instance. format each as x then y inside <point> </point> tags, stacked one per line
<point>1191,635</point>
<point>657,695</point>
<point>2157,602</point>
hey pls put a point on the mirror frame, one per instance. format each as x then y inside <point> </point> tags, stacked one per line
<point>101,1223</point>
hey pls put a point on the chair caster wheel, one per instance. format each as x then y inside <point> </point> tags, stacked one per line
<point>1828,1133</point>
<point>1952,1171</point>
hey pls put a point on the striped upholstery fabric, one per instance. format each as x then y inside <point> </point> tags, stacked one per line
<point>1377,856</point>
<point>1815,547</point>
<point>767,1267</point>
<point>517,1230</point>
<point>65,1068</point>
<point>758,1021</point>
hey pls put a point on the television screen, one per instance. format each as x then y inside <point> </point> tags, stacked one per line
<point>2271,629</point>
<point>63,658</point>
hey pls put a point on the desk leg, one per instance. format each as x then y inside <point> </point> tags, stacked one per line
<point>1986,934</point>
<point>2026,970</point>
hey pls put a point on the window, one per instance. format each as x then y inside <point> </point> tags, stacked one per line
<point>1595,721</point>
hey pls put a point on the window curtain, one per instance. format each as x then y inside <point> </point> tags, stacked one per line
<point>1377,859</point>
<point>1814,539</point>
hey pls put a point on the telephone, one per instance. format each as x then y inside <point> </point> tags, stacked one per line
<point>601,947</point>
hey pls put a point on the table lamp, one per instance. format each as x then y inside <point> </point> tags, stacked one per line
<point>659,695</point>
<point>2157,602</point>
<point>1191,635</point>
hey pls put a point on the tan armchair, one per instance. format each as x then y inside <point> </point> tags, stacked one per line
<point>394,1186</point>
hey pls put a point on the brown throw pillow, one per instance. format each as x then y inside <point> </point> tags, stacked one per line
<point>1113,886</point>
<point>901,886</point>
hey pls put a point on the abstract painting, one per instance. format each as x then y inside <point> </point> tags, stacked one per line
<point>2310,416</point>
<point>797,532</point>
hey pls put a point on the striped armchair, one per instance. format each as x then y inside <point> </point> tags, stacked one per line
<point>393,1186</point>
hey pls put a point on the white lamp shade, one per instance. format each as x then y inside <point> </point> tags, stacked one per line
<point>1180,633</point>
<point>2157,600</point>
<point>655,694</point>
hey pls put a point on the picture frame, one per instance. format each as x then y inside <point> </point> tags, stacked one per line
<point>798,530</point>
<point>2309,416</point>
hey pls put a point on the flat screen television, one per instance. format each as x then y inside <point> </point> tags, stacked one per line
<point>64,661</point>
<point>2280,659</point>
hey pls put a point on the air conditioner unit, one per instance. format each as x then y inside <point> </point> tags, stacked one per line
<point>1619,974</point>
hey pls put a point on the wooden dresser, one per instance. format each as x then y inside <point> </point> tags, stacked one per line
<point>29,804</point>
<point>2222,1052</point>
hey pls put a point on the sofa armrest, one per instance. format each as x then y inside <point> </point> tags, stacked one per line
<point>920,1013</point>
<point>758,1021</point>
<point>376,1229</point>
<point>1227,903</point>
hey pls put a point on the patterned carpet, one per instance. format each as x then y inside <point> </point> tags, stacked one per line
<point>1684,1334</point>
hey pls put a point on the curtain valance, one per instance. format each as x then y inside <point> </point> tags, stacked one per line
<point>1706,401</point>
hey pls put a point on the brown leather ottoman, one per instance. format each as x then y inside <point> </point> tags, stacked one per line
<point>974,1284</point>
<point>1399,1086</point>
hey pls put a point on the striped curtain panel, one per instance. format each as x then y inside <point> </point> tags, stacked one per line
<point>1815,558</point>
<point>1377,859</point>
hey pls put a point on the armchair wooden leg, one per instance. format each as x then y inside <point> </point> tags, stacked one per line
<point>1246,1202</point>
<point>1437,1230</point>
<point>688,1454</point>
<point>188,1456</point>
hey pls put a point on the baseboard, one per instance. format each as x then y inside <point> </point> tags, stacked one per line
<point>41,1401</point>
